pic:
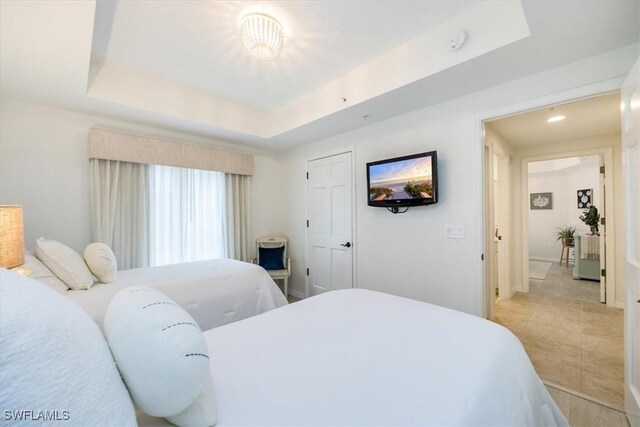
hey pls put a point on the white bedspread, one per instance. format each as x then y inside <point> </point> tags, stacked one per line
<point>215,292</point>
<point>358,357</point>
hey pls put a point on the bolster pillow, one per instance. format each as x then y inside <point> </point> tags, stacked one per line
<point>162,356</point>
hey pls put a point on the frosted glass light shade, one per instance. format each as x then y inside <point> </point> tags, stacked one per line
<point>11,236</point>
<point>262,35</point>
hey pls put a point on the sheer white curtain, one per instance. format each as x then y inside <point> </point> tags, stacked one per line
<point>119,206</point>
<point>187,215</point>
<point>238,208</point>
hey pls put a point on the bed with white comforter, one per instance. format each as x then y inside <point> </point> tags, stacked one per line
<point>359,357</point>
<point>215,292</point>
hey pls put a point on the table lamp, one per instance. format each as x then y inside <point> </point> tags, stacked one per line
<point>11,236</point>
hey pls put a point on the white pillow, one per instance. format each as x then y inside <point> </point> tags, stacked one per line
<point>65,263</point>
<point>162,356</point>
<point>35,269</point>
<point>54,358</point>
<point>102,262</point>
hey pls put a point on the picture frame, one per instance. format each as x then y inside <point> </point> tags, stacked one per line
<point>585,198</point>
<point>540,201</point>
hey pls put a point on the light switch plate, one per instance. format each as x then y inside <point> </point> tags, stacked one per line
<point>454,231</point>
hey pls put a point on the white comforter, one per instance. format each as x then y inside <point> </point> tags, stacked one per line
<point>358,357</point>
<point>214,292</point>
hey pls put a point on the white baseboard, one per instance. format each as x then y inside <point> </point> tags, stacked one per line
<point>297,294</point>
<point>619,304</point>
<point>541,258</point>
<point>513,291</point>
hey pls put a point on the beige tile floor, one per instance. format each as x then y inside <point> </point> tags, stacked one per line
<point>575,344</point>
<point>583,413</point>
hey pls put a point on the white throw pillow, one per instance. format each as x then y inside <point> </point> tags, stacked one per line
<point>65,263</point>
<point>162,356</point>
<point>102,262</point>
<point>35,269</point>
<point>54,358</point>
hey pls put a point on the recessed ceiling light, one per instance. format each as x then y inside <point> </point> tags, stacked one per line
<point>262,35</point>
<point>557,118</point>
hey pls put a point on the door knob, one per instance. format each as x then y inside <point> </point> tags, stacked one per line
<point>346,245</point>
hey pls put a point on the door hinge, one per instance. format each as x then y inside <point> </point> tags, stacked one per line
<point>307,271</point>
<point>307,175</point>
<point>603,272</point>
<point>602,221</point>
<point>601,169</point>
<point>307,223</point>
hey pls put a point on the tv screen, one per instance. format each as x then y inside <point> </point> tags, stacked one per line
<point>403,181</point>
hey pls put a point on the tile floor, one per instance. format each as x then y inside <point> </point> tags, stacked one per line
<point>560,282</point>
<point>583,413</point>
<point>575,344</point>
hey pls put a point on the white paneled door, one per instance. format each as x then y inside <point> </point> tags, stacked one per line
<point>631,172</point>
<point>329,198</point>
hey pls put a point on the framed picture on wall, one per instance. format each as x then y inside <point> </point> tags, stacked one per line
<point>584,198</point>
<point>540,201</point>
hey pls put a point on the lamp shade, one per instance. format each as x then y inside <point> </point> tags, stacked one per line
<point>11,236</point>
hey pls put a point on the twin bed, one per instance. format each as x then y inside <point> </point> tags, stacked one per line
<point>215,292</point>
<point>359,357</point>
<point>353,357</point>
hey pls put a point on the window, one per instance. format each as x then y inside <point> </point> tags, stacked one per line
<point>187,215</point>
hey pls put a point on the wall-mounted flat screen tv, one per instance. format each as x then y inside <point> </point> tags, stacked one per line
<point>403,181</point>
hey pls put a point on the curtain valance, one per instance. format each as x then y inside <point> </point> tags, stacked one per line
<point>109,145</point>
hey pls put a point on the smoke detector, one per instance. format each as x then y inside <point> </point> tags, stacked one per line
<point>457,40</point>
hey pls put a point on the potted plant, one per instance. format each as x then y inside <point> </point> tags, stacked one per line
<point>591,217</point>
<point>566,235</point>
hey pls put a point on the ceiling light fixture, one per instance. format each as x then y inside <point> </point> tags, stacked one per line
<point>262,35</point>
<point>557,118</point>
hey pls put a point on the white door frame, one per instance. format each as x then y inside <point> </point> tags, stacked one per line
<point>609,209</point>
<point>571,95</point>
<point>630,141</point>
<point>503,265</point>
<point>489,302</point>
<point>504,183</point>
<point>354,194</point>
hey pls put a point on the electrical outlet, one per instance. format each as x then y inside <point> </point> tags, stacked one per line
<point>454,231</point>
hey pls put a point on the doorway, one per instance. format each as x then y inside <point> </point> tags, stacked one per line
<point>330,243</point>
<point>566,202</point>
<point>575,343</point>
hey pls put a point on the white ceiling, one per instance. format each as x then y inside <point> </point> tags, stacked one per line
<point>584,119</point>
<point>197,43</point>
<point>180,65</point>
<point>565,164</point>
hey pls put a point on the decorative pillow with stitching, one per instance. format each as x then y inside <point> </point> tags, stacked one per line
<point>162,356</point>
<point>101,261</point>
<point>65,263</point>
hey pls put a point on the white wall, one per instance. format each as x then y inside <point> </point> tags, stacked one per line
<point>44,167</point>
<point>408,254</point>
<point>563,183</point>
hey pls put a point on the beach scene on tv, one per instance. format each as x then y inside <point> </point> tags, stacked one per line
<point>404,179</point>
